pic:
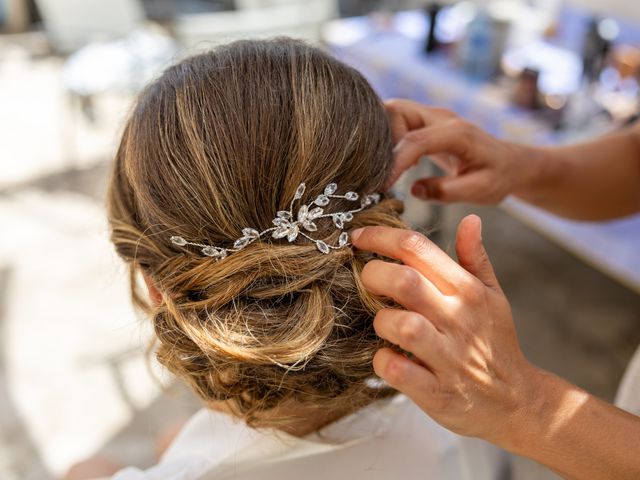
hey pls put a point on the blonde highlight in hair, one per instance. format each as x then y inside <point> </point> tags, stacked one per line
<point>220,142</point>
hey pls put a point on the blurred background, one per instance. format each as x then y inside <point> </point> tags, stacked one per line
<point>74,379</point>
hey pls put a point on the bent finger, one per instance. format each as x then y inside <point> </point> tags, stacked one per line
<point>413,333</point>
<point>404,284</point>
<point>466,187</point>
<point>417,115</point>
<point>415,250</point>
<point>446,138</point>
<point>397,122</point>
<point>406,376</point>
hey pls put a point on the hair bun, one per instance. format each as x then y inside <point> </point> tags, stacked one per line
<point>278,319</point>
<point>219,142</point>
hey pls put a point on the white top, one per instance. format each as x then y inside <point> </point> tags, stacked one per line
<point>628,397</point>
<point>386,440</point>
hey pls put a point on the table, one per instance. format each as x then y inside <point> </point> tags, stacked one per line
<point>392,59</point>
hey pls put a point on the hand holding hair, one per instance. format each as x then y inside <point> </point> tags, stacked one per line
<point>467,371</point>
<point>471,376</point>
<point>596,180</point>
<point>480,168</point>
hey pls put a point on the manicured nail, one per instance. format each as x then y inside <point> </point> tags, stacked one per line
<point>419,190</point>
<point>356,234</point>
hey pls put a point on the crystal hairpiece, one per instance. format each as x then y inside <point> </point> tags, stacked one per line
<point>290,227</point>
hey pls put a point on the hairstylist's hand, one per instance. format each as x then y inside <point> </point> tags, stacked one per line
<point>481,168</point>
<point>467,371</point>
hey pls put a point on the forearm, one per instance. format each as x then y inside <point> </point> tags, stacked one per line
<point>574,433</point>
<point>597,180</point>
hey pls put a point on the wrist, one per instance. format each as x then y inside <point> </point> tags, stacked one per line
<point>537,168</point>
<point>537,399</point>
<point>546,403</point>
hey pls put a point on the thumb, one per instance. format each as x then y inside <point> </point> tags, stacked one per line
<point>471,253</point>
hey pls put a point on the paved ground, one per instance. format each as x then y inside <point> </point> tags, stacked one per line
<point>73,376</point>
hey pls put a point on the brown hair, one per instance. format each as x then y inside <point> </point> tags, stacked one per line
<point>220,142</point>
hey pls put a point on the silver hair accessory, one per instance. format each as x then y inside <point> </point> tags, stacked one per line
<point>290,227</point>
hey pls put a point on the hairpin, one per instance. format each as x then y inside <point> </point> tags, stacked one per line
<point>291,227</point>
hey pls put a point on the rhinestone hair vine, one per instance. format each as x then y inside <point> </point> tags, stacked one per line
<point>290,226</point>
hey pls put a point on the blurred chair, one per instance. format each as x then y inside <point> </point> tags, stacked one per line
<point>71,24</point>
<point>121,67</point>
<point>14,16</point>
<point>124,65</point>
<point>256,18</point>
<point>109,48</point>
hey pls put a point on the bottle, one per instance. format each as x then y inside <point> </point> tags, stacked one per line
<point>477,49</point>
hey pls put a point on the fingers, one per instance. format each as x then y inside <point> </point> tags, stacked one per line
<point>416,115</point>
<point>450,137</point>
<point>403,284</point>
<point>414,250</point>
<point>472,254</point>
<point>397,122</point>
<point>446,162</point>
<point>413,333</point>
<point>428,188</point>
<point>406,116</point>
<point>404,375</point>
<point>464,188</point>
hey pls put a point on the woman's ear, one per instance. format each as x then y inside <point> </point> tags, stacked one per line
<point>154,294</point>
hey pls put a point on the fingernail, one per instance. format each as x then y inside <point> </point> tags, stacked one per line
<point>479,221</point>
<point>419,190</point>
<point>356,234</point>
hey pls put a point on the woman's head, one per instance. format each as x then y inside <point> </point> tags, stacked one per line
<point>218,143</point>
